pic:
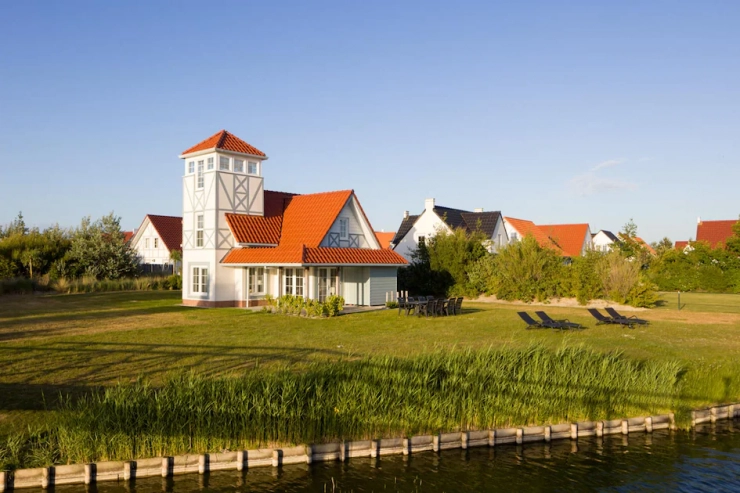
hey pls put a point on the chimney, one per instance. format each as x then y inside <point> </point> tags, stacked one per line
<point>428,204</point>
<point>480,209</point>
<point>698,220</point>
<point>405,214</point>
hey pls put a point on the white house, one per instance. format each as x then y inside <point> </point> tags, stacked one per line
<point>155,240</point>
<point>242,242</point>
<point>604,240</point>
<point>416,229</point>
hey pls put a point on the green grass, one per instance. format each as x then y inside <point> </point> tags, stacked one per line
<point>72,344</point>
<point>700,302</point>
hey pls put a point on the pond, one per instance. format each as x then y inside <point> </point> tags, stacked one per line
<point>707,459</point>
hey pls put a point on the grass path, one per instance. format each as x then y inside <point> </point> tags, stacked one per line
<point>71,343</point>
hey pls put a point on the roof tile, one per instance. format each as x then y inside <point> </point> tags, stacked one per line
<point>715,232</point>
<point>569,237</point>
<point>169,229</point>
<point>226,141</point>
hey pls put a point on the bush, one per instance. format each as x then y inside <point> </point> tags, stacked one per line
<point>297,305</point>
<point>391,304</point>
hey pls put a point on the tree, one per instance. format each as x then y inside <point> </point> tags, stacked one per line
<point>733,243</point>
<point>98,249</point>
<point>29,258</point>
<point>663,245</point>
<point>16,227</point>
<point>176,257</point>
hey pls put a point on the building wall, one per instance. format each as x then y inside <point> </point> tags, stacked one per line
<point>427,225</point>
<point>359,231</point>
<point>382,280</point>
<point>150,255</point>
<point>601,242</point>
<point>499,238</point>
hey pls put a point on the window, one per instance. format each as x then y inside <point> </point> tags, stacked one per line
<point>252,168</point>
<point>200,280</point>
<point>343,228</point>
<point>199,178</point>
<point>199,230</point>
<point>238,166</point>
<point>191,167</point>
<point>223,163</point>
<point>210,163</point>
<point>257,280</point>
<point>293,282</point>
<point>327,283</point>
<point>514,236</point>
<point>422,240</point>
<point>146,242</point>
<point>156,242</point>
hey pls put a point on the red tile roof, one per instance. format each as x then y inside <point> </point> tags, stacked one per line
<point>570,237</point>
<point>262,230</point>
<point>127,235</point>
<point>298,224</point>
<point>714,232</point>
<point>528,228</point>
<point>169,229</point>
<point>680,245</point>
<point>226,141</point>
<point>314,256</point>
<point>385,238</point>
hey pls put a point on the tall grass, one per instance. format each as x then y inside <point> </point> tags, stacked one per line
<point>92,285</point>
<point>373,397</point>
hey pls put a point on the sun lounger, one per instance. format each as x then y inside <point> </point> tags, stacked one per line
<point>615,314</point>
<point>565,323</point>
<point>534,324</point>
<point>602,319</point>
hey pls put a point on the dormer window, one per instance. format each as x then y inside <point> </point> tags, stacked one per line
<point>343,228</point>
<point>238,166</point>
<point>223,163</point>
<point>210,163</point>
<point>252,168</point>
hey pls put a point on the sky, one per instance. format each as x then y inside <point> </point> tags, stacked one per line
<point>556,112</point>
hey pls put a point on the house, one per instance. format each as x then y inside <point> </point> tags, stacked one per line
<point>683,245</point>
<point>415,229</point>
<point>242,242</point>
<point>715,233</point>
<point>127,235</point>
<point>604,240</point>
<point>569,240</point>
<point>385,238</point>
<point>155,240</point>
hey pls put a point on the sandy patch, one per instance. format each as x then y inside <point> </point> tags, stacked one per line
<point>561,302</point>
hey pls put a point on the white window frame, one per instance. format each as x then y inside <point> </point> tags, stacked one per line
<point>238,165</point>
<point>199,280</point>
<point>210,163</point>
<point>343,228</point>
<point>199,177</point>
<point>224,163</point>
<point>294,281</point>
<point>289,281</point>
<point>256,277</point>
<point>256,168</point>
<point>199,221</point>
<point>191,167</point>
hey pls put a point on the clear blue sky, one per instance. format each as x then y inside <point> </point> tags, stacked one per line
<point>587,111</point>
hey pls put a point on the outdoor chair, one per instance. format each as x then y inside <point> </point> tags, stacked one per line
<point>534,324</point>
<point>458,306</point>
<point>427,308</point>
<point>601,319</point>
<point>450,307</point>
<point>430,297</point>
<point>615,314</point>
<point>441,308</point>
<point>565,323</point>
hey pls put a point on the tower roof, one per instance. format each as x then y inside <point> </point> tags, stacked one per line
<point>226,141</point>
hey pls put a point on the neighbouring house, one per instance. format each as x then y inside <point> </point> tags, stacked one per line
<point>715,233</point>
<point>385,238</point>
<point>644,244</point>
<point>154,242</point>
<point>604,240</point>
<point>242,242</point>
<point>570,240</point>
<point>415,229</point>
<point>683,246</point>
<point>127,235</point>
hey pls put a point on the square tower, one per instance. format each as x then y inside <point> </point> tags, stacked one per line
<point>223,174</point>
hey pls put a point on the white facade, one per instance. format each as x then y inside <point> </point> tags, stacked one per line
<point>602,242</point>
<point>214,183</point>
<point>151,250</point>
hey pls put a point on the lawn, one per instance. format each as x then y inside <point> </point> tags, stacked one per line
<point>72,343</point>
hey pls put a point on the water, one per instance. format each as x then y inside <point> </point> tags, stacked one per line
<point>706,460</point>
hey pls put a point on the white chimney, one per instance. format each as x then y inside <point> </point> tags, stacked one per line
<point>698,220</point>
<point>480,209</point>
<point>428,204</point>
<point>405,214</point>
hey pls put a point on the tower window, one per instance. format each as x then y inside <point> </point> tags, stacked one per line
<point>223,163</point>
<point>199,230</point>
<point>252,168</point>
<point>200,280</point>
<point>199,178</point>
<point>191,167</point>
<point>210,163</point>
<point>238,166</point>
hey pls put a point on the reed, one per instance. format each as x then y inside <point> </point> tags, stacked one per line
<point>367,398</point>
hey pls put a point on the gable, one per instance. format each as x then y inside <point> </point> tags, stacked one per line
<point>359,233</point>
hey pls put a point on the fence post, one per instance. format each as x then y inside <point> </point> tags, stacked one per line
<point>3,481</point>
<point>89,473</point>
<point>574,431</point>
<point>679,301</point>
<point>127,466</point>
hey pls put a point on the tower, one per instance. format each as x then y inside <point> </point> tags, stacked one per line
<point>223,174</point>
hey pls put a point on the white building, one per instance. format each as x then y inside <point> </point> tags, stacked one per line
<point>242,242</point>
<point>416,229</point>
<point>155,240</point>
<point>604,241</point>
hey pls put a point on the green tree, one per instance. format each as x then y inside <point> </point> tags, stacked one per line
<point>29,258</point>
<point>733,243</point>
<point>454,253</point>
<point>98,250</point>
<point>176,257</point>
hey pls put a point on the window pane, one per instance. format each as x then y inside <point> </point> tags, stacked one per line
<point>223,163</point>
<point>239,165</point>
<point>299,282</point>
<point>196,279</point>
<point>203,280</point>
<point>252,168</point>
<point>199,178</point>
<point>210,163</point>
<point>191,167</point>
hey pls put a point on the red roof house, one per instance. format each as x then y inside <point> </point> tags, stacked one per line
<point>715,233</point>
<point>156,239</point>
